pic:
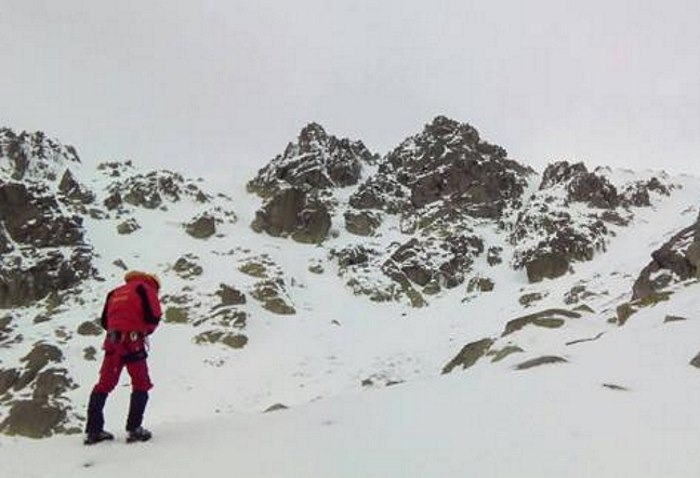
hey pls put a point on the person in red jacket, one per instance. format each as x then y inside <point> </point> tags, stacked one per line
<point>130,314</point>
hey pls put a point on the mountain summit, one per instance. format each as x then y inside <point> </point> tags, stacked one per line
<point>338,273</point>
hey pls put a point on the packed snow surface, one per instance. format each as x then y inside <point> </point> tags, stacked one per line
<point>624,404</point>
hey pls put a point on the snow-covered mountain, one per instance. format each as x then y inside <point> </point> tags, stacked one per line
<point>527,324</point>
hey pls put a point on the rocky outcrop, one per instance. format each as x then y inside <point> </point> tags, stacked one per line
<point>33,156</point>
<point>446,162</point>
<point>292,212</point>
<point>36,395</point>
<point>150,191</point>
<point>563,223</point>
<point>637,194</point>
<point>469,355</point>
<point>547,240</point>
<point>187,267</point>
<point>550,318</point>
<point>315,162</point>
<point>677,260</point>
<point>41,236</point>
<point>444,262</point>
<point>580,185</point>
<point>202,227</point>
<point>362,223</point>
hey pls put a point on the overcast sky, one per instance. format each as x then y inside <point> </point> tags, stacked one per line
<point>206,86</point>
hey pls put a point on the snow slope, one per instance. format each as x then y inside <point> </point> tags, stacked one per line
<point>622,405</point>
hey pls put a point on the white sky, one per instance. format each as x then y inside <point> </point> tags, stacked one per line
<point>221,86</point>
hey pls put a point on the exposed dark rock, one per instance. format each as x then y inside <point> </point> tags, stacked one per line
<point>547,359</point>
<point>34,218</point>
<point>617,388</point>
<point>362,223</point>
<point>280,215</point>
<point>493,256</point>
<point>382,192</point>
<point>52,382</point>
<point>90,353</point>
<point>120,263</point>
<point>40,356</point>
<point>34,154</point>
<point>150,190</point>
<point>499,355</point>
<point>33,419</point>
<point>481,284</point>
<point>615,218</point>
<point>352,256</point>
<point>313,224</point>
<point>526,300</point>
<point>695,362</point>
<point>113,201</point>
<point>550,318</point>
<point>5,245</point>
<point>50,252</point>
<point>547,266</point>
<point>54,272</point>
<point>447,160</point>
<point>680,257</point>
<point>636,195</point>
<point>202,227</point>
<point>7,379</point>
<point>90,328</point>
<point>272,295</point>
<point>235,341</point>
<point>128,226</point>
<point>276,407</point>
<point>317,161</point>
<point>442,261</point>
<point>469,355</point>
<point>576,294</point>
<point>176,315</point>
<point>626,310</point>
<point>556,239</point>
<point>230,295</point>
<point>291,212</point>
<point>72,190</point>
<point>584,308</point>
<point>581,185</point>
<point>187,268</point>
<point>580,341</point>
<point>674,318</point>
<point>316,268</point>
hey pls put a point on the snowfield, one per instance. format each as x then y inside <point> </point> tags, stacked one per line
<point>362,383</point>
<point>552,421</point>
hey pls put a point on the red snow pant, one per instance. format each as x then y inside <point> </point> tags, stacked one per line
<point>124,352</point>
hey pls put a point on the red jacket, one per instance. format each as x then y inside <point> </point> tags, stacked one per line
<point>132,307</point>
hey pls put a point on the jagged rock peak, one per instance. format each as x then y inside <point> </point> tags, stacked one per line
<point>580,184</point>
<point>316,161</point>
<point>446,161</point>
<point>33,155</point>
<point>561,172</point>
<point>449,129</point>
<point>677,260</point>
<point>312,132</point>
<point>443,139</point>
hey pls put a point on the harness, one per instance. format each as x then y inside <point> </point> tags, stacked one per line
<point>117,336</point>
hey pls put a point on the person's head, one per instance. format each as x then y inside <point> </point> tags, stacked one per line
<point>144,276</point>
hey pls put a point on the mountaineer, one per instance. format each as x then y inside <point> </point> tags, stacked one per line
<point>131,313</point>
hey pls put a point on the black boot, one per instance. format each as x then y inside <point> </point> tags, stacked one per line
<point>133,423</point>
<point>95,420</point>
<point>138,434</point>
